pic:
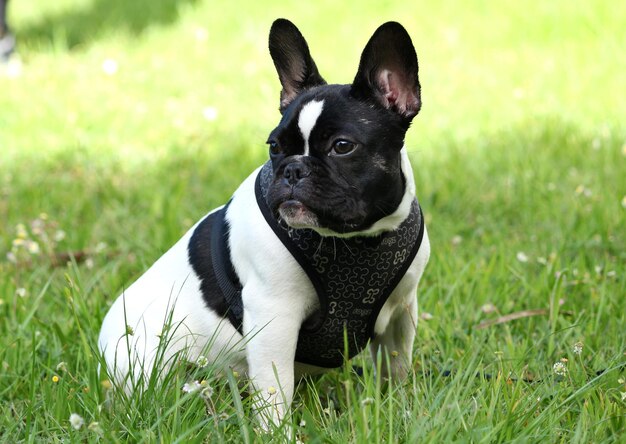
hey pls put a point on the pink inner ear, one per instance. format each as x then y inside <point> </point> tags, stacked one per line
<point>397,93</point>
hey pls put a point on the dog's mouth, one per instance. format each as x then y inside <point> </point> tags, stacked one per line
<point>297,215</point>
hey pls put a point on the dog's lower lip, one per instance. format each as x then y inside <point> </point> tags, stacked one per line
<point>297,215</point>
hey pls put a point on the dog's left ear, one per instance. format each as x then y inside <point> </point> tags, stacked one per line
<point>295,66</point>
<point>388,71</point>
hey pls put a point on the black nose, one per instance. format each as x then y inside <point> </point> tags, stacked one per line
<point>296,171</point>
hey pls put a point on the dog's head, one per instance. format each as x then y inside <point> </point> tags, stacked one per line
<point>337,151</point>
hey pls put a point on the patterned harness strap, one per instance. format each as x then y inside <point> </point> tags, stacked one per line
<point>353,278</point>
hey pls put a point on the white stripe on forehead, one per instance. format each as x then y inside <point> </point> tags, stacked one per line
<point>307,120</point>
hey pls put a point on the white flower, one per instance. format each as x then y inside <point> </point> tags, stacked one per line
<point>271,390</point>
<point>367,401</point>
<point>521,256</point>
<point>76,421</point>
<point>202,361</point>
<point>59,235</point>
<point>21,292</point>
<point>578,348</point>
<point>191,387</point>
<point>426,316</point>
<point>559,368</point>
<point>488,308</point>
<point>623,396</point>
<point>456,240</point>
<point>33,247</point>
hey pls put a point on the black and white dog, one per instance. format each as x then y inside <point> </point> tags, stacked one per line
<point>318,253</point>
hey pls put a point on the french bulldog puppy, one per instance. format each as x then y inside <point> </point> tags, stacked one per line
<point>318,253</point>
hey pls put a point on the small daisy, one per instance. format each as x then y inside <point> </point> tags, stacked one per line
<point>578,348</point>
<point>367,401</point>
<point>33,247</point>
<point>21,292</point>
<point>76,421</point>
<point>559,368</point>
<point>521,256</point>
<point>202,361</point>
<point>271,390</point>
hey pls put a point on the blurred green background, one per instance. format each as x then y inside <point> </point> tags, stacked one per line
<point>126,121</point>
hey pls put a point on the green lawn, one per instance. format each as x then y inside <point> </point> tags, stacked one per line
<point>129,120</point>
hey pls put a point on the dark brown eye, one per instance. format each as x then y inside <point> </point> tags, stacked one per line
<point>342,147</point>
<point>274,147</point>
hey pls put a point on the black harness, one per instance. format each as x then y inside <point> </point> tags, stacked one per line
<point>353,278</point>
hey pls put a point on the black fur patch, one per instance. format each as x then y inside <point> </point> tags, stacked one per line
<point>199,254</point>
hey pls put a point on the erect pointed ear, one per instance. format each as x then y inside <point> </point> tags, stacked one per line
<point>388,71</point>
<point>292,59</point>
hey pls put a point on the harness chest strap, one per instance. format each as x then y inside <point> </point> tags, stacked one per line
<point>353,278</point>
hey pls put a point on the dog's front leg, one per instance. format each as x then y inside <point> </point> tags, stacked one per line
<point>271,326</point>
<point>394,346</point>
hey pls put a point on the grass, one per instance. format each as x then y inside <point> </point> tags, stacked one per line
<point>519,155</point>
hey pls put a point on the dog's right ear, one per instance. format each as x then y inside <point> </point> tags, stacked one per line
<point>292,59</point>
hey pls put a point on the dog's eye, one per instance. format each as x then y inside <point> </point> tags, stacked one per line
<point>342,147</point>
<point>274,147</point>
